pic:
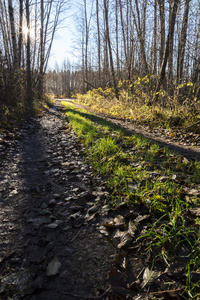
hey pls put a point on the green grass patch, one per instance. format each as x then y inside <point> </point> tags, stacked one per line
<point>139,172</point>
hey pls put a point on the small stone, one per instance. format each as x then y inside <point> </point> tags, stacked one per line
<point>52,225</point>
<point>52,202</point>
<point>56,196</point>
<point>44,205</point>
<point>59,222</point>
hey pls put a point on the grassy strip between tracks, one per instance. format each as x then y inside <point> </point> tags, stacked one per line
<point>141,173</point>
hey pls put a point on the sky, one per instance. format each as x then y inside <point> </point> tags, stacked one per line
<point>62,48</point>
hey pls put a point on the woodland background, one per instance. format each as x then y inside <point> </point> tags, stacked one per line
<point>121,44</point>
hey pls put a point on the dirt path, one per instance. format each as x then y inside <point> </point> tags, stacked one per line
<point>50,246</point>
<point>59,237</point>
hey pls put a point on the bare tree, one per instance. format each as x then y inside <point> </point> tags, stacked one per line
<point>13,34</point>
<point>170,35</point>
<point>99,41</point>
<point>155,39</point>
<point>171,47</point>
<point>20,34</point>
<point>140,27</point>
<point>182,42</point>
<point>28,56</point>
<point>109,47</point>
<point>161,4</point>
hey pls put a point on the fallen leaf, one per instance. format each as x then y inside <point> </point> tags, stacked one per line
<point>106,208</point>
<point>141,218</point>
<point>195,211</point>
<point>53,267</point>
<point>121,260</point>
<point>93,209</point>
<point>150,276</point>
<point>119,219</point>
<point>132,228</point>
<point>194,192</point>
<point>125,240</point>
<point>103,230</point>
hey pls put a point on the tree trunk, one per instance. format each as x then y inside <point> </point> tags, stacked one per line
<point>161,4</point>
<point>41,71</point>
<point>5,34</point>
<point>166,52</point>
<point>13,34</point>
<point>86,44</point>
<point>99,42</point>
<point>141,36</point>
<point>123,32</point>
<point>117,39</point>
<point>171,47</point>
<point>182,42</point>
<point>28,57</point>
<point>20,32</point>
<point>196,63</point>
<point>109,48</point>
<point>155,39</point>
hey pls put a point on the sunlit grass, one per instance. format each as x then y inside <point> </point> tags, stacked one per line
<point>140,172</point>
<point>133,104</point>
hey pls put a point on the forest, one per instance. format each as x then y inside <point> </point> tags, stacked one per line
<point>27,31</point>
<point>116,43</point>
<point>123,40</point>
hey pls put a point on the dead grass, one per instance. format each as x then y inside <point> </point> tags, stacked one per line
<point>133,105</point>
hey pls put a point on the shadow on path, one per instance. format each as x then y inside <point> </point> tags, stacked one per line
<point>49,253</point>
<point>129,129</point>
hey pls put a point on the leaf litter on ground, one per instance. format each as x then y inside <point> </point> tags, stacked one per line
<point>159,192</point>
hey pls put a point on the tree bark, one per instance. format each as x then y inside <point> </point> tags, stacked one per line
<point>171,47</point>
<point>117,39</point>
<point>13,34</point>
<point>161,4</point>
<point>182,42</point>
<point>20,32</point>
<point>155,39</point>
<point>99,42</point>
<point>123,32</point>
<point>109,48</point>
<point>41,71</point>
<point>28,57</point>
<point>166,52</point>
<point>141,37</point>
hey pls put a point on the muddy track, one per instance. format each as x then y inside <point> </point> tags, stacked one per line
<point>183,148</point>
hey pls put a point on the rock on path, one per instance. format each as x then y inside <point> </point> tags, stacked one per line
<point>50,246</point>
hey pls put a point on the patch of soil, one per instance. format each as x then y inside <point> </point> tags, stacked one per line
<point>49,248</point>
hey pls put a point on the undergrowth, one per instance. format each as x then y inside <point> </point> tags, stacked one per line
<point>141,174</point>
<point>180,108</point>
<point>10,115</point>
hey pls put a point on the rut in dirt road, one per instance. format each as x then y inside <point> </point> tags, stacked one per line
<point>50,245</point>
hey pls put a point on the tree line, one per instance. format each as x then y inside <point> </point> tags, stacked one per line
<point>123,39</point>
<point>115,40</point>
<point>27,30</point>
